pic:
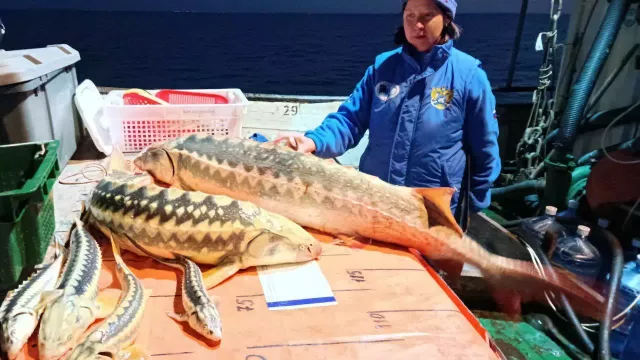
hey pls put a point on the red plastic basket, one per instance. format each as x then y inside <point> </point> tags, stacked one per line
<point>190,97</point>
<point>137,99</point>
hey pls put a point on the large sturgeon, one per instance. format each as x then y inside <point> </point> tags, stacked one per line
<point>75,304</point>
<point>347,203</point>
<point>206,229</point>
<point>114,338</point>
<point>21,310</point>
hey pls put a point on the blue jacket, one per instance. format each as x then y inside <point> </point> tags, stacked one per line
<point>423,115</point>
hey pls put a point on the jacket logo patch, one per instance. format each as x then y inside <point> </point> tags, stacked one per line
<point>441,97</point>
<point>386,90</point>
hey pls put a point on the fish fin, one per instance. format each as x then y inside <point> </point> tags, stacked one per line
<point>115,249</point>
<point>134,352</point>
<point>183,317</point>
<point>218,274</point>
<point>438,204</point>
<point>354,242</point>
<point>509,302</point>
<point>49,296</point>
<point>117,162</point>
<point>106,303</point>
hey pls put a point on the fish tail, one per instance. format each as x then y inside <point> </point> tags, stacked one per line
<point>437,201</point>
<point>520,277</point>
<point>534,285</point>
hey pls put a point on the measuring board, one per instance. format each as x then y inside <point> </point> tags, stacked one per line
<point>388,305</point>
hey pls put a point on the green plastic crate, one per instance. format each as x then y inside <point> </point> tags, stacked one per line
<point>27,219</point>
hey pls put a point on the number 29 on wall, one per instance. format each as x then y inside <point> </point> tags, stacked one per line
<point>290,110</point>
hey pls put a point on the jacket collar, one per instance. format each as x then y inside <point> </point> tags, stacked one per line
<point>433,59</point>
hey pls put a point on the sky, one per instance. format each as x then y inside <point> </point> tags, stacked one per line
<point>260,6</point>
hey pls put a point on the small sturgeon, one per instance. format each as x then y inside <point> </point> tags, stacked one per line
<point>21,309</point>
<point>206,229</point>
<point>201,311</point>
<point>74,304</point>
<point>114,338</point>
<point>345,202</point>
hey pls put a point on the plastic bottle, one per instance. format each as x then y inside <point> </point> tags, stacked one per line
<point>537,226</point>
<point>572,211</point>
<point>632,347</point>
<point>576,254</point>
<point>569,218</point>
<point>629,291</point>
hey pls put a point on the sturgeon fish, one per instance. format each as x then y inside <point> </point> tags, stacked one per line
<point>201,311</point>
<point>74,304</point>
<point>21,310</point>
<point>345,202</point>
<point>206,229</point>
<point>114,338</point>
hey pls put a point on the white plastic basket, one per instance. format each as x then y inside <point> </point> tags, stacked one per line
<point>134,127</point>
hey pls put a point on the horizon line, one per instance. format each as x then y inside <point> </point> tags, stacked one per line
<point>258,12</point>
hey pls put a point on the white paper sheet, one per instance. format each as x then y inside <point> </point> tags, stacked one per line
<point>295,286</point>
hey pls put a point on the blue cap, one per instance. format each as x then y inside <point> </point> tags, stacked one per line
<point>450,5</point>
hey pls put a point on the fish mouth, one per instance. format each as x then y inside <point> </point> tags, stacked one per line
<point>13,353</point>
<point>315,251</point>
<point>312,252</point>
<point>215,336</point>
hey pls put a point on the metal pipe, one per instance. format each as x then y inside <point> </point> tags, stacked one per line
<point>595,154</point>
<point>522,186</point>
<point>516,42</point>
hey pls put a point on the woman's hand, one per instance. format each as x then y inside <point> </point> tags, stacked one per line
<point>297,142</point>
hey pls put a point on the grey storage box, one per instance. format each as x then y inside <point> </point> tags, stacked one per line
<point>37,87</point>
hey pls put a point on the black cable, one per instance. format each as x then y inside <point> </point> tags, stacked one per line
<point>604,351</point>
<point>545,324</point>
<point>549,237</point>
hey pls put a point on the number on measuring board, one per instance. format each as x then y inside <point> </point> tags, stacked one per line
<point>291,110</point>
<point>380,321</point>
<point>356,276</point>
<point>244,305</point>
<point>255,357</point>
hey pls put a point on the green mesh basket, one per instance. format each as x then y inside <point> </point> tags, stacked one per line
<point>28,172</point>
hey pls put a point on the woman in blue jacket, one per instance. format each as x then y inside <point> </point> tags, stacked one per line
<point>426,106</point>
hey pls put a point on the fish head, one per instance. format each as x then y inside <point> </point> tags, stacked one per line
<point>16,332</point>
<point>282,242</point>
<point>89,349</point>
<point>156,161</point>
<point>208,322</point>
<point>62,325</point>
